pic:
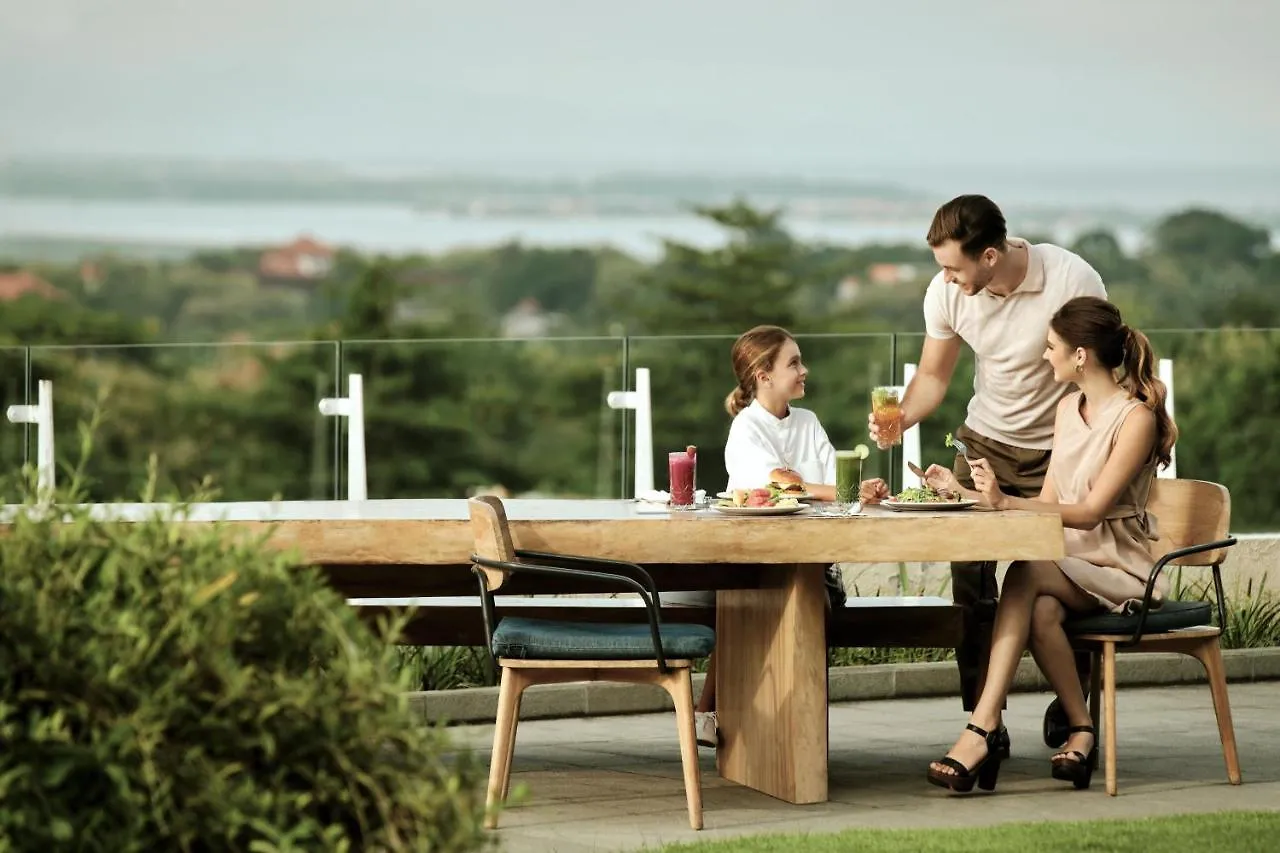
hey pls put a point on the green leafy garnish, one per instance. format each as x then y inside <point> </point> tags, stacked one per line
<point>948,441</point>
<point>924,495</point>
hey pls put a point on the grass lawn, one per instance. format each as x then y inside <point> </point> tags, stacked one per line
<point>1218,831</point>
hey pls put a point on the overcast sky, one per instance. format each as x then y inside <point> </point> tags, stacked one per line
<point>778,85</point>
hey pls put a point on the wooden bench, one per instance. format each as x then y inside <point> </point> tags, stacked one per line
<point>864,622</point>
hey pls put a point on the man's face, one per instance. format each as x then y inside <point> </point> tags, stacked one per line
<point>971,275</point>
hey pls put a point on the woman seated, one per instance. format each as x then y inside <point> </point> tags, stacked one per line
<point>1109,436</point>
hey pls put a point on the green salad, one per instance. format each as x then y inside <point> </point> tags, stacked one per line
<point>924,495</point>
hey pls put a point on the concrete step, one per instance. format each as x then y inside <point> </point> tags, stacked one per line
<point>845,684</point>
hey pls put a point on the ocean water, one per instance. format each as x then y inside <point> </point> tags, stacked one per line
<point>402,229</point>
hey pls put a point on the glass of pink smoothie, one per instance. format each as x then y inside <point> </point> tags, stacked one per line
<point>682,465</point>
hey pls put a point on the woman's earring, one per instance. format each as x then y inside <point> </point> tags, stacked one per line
<point>1079,367</point>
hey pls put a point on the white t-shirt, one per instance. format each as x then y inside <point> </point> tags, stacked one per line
<point>1014,395</point>
<point>758,442</point>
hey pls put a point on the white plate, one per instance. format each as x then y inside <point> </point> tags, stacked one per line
<point>937,506</point>
<point>728,496</point>
<point>759,510</point>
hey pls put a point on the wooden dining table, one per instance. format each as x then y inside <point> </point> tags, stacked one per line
<point>771,685</point>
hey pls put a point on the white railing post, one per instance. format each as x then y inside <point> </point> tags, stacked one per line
<point>910,438</point>
<point>639,400</point>
<point>41,414</point>
<point>1166,376</point>
<point>352,408</point>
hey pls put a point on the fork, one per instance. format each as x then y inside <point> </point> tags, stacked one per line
<point>962,447</point>
<point>915,469</point>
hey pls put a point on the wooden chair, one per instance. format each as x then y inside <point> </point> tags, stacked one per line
<point>1192,518</point>
<point>539,651</point>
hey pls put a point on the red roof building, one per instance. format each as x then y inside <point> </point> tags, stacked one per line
<point>15,285</point>
<point>304,259</point>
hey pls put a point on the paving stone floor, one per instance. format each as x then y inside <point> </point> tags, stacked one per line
<point>614,783</point>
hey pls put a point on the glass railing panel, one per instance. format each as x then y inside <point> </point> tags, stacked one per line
<point>245,415</point>
<point>690,378</point>
<point>444,418</point>
<point>13,392</point>
<point>948,417</point>
<point>1226,389</point>
<point>449,417</point>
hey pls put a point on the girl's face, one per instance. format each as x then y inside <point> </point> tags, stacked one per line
<point>786,380</point>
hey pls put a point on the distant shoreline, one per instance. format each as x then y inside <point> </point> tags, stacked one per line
<point>46,229</point>
<point>1131,195</point>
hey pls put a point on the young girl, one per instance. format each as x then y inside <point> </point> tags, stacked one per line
<point>1108,438</point>
<point>767,431</point>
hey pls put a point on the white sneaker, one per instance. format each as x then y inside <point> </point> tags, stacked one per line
<point>704,728</point>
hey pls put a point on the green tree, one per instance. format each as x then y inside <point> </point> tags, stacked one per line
<point>561,280</point>
<point>1227,402</point>
<point>244,415</point>
<point>371,306</point>
<point>34,320</point>
<point>753,278</point>
<point>1208,238</point>
<point>445,416</point>
<point>1103,251</point>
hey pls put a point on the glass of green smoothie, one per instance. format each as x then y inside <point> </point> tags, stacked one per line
<point>849,474</point>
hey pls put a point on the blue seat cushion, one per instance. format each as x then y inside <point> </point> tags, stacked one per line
<point>1170,616</point>
<point>544,639</point>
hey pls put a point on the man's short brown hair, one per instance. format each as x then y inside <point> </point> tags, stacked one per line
<point>973,221</point>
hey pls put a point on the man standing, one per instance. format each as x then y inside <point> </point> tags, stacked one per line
<point>995,293</point>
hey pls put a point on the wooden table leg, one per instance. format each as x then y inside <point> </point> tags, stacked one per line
<point>771,684</point>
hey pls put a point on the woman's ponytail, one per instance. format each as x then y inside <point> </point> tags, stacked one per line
<point>1142,382</point>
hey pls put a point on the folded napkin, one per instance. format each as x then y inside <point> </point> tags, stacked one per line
<point>834,511</point>
<point>658,496</point>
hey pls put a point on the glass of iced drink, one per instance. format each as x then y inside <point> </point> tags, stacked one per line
<point>886,410</point>
<point>849,474</point>
<point>682,466</point>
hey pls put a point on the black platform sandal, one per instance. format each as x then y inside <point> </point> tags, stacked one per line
<point>1074,766</point>
<point>985,772</point>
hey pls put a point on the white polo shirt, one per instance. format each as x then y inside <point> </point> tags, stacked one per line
<point>1014,395</point>
<point>758,442</point>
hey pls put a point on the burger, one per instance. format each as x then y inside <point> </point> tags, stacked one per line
<point>786,482</point>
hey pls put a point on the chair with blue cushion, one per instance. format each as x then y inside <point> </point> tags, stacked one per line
<point>1192,518</point>
<point>541,651</point>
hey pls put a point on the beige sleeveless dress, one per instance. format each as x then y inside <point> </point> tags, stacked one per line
<point>1111,562</point>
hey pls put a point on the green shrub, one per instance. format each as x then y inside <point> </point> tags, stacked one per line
<point>177,687</point>
<point>1253,619</point>
<point>1253,615</point>
<point>445,667</point>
